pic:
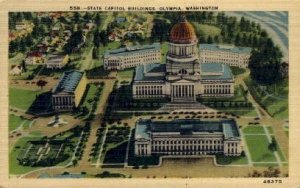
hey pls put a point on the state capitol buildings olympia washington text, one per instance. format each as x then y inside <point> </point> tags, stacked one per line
<point>182,79</point>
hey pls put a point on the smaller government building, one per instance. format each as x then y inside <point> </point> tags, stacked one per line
<point>227,54</point>
<point>67,94</point>
<point>187,137</point>
<point>57,61</point>
<point>133,56</point>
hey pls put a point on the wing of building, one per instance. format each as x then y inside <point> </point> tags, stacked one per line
<point>67,94</point>
<point>123,58</point>
<point>183,78</point>
<point>187,137</point>
<point>227,54</point>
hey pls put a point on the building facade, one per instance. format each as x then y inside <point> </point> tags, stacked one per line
<point>187,137</point>
<point>227,54</point>
<point>67,94</point>
<point>57,61</point>
<point>183,78</point>
<point>123,58</point>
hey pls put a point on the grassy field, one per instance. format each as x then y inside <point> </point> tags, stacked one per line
<point>281,155</point>
<point>237,71</point>
<point>91,98</point>
<point>253,130</point>
<point>126,74</point>
<point>14,167</point>
<point>31,71</point>
<point>258,148</point>
<point>270,130</point>
<point>21,98</point>
<point>164,50</point>
<point>206,30</point>
<point>14,122</point>
<point>17,59</point>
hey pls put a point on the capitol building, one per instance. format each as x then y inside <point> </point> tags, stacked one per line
<point>183,78</point>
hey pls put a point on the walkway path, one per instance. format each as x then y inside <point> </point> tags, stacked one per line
<point>270,140</point>
<point>101,148</point>
<point>95,124</point>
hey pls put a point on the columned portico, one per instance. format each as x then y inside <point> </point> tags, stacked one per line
<point>183,93</point>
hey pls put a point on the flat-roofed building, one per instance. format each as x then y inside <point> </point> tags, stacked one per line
<point>186,137</point>
<point>57,61</point>
<point>67,94</point>
<point>227,54</point>
<point>133,56</point>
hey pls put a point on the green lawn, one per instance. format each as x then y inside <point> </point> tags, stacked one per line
<point>164,50</point>
<point>17,59</point>
<point>206,30</point>
<point>32,70</point>
<point>258,148</point>
<point>253,130</point>
<point>21,98</point>
<point>281,154</point>
<point>14,122</point>
<point>14,167</point>
<point>91,97</point>
<point>237,71</point>
<point>126,74</point>
<point>270,130</point>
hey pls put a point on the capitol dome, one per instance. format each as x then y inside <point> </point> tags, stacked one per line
<point>183,32</point>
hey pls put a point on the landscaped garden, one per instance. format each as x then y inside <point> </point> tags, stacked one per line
<point>114,148</point>
<point>258,146</point>
<point>90,100</point>
<point>273,98</point>
<point>96,146</point>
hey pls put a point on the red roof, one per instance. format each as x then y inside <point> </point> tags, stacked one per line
<point>34,54</point>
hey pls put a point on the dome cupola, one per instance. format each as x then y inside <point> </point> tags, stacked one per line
<point>183,32</point>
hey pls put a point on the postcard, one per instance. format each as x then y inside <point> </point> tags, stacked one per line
<point>185,94</point>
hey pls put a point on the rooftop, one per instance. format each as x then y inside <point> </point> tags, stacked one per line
<point>221,71</point>
<point>228,48</point>
<point>68,81</point>
<point>209,71</point>
<point>55,58</point>
<point>132,49</point>
<point>228,128</point>
<point>150,68</point>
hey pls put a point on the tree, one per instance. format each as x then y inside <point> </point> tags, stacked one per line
<point>95,53</point>
<point>23,64</point>
<point>76,17</point>
<point>104,37</point>
<point>96,39</point>
<point>41,83</point>
<point>98,19</point>
<point>74,41</point>
<point>209,40</point>
<point>264,63</point>
<point>273,144</point>
<point>237,40</point>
